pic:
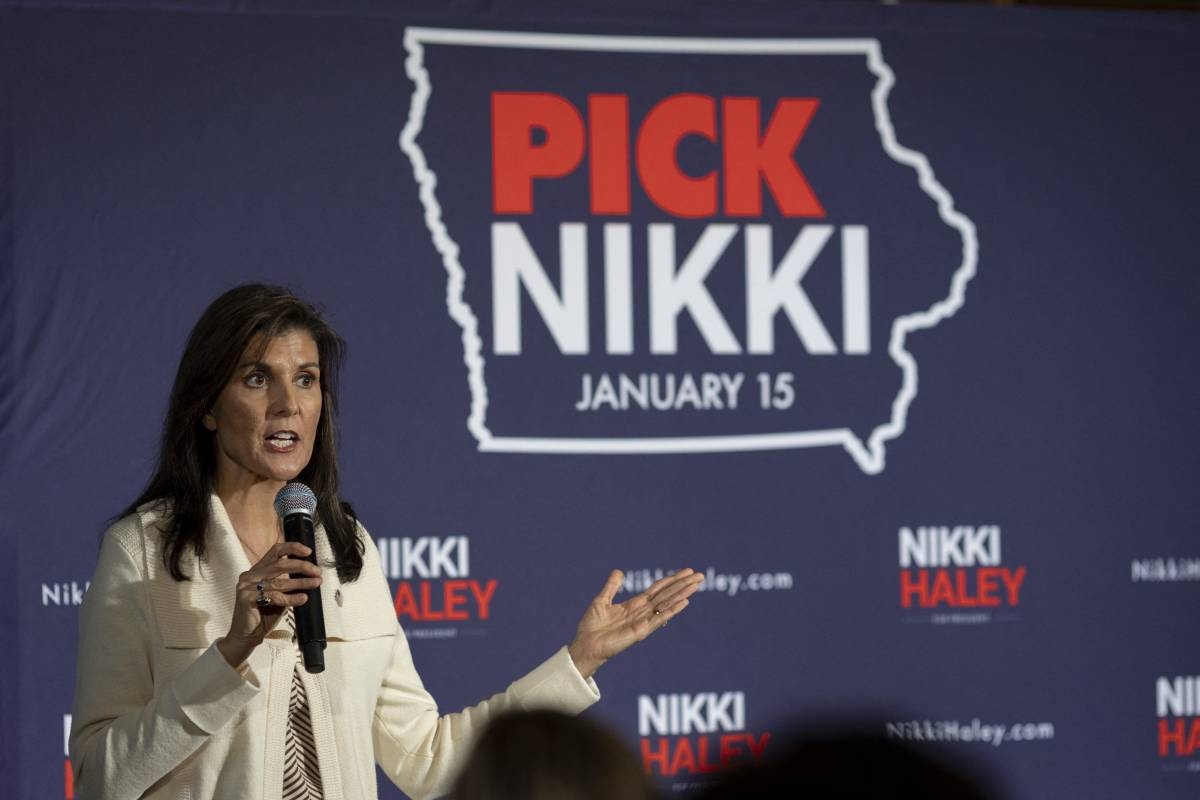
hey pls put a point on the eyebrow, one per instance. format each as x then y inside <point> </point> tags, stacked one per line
<point>267,367</point>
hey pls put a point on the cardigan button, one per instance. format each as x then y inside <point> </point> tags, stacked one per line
<point>338,596</point>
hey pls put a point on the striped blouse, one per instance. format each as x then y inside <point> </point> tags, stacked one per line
<point>301,772</point>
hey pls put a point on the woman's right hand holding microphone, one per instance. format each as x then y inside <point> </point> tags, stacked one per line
<point>272,576</point>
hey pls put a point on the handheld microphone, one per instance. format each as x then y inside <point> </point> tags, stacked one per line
<point>296,504</point>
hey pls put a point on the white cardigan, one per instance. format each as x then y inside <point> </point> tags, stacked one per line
<point>159,713</point>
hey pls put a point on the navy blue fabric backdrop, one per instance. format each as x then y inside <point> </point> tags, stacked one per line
<point>882,317</point>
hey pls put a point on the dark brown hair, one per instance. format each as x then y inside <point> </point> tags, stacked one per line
<point>548,755</point>
<point>187,457</point>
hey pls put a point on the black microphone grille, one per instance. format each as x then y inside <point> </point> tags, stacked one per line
<point>295,498</point>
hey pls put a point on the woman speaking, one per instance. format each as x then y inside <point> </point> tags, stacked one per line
<point>189,682</point>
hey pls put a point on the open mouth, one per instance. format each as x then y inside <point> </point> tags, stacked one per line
<point>282,441</point>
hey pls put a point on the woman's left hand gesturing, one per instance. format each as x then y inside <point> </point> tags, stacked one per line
<point>607,628</point>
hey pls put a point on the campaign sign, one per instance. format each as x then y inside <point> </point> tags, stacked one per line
<point>665,245</point>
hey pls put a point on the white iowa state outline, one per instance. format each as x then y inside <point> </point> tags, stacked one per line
<point>869,455</point>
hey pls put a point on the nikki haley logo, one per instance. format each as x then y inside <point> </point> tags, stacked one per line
<point>686,735</point>
<point>65,593</point>
<point>431,577</point>
<point>957,568</point>
<point>664,245</point>
<point>1178,706</point>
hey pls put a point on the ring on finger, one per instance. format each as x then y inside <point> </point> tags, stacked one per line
<point>657,611</point>
<point>262,599</point>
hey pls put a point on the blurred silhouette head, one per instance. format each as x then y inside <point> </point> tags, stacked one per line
<point>546,755</point>
<point>833,766</point>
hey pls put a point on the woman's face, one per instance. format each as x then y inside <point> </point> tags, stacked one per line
<point>265,419</point>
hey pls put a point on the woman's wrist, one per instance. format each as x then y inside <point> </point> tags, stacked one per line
<point>586,665</point>
<point>235,650</point>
